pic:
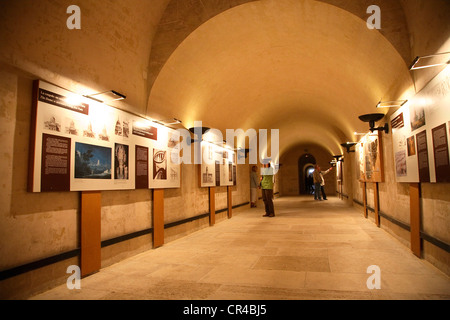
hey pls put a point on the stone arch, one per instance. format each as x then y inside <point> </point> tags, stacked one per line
<point>304,162</point>
<point>307,69</point>
<point>182,17</point>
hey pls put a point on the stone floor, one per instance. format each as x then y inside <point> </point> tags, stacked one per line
<point>310,250</point>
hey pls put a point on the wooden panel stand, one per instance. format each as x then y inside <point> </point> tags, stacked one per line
<point>376,202</point>
<point>338,191</point>
<point>158,217</point>
<point>414,194</point>
<point>230,202</point>
<point>365,198</point>
<point>90,232</point>
<point>212,206</point>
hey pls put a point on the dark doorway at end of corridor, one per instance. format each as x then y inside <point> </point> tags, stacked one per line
<point>306,164</point>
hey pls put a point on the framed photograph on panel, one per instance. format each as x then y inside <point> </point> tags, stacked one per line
<point>80,144</point>
<point>208,167</point>
<point>369,156</point>
<point>420,134</point>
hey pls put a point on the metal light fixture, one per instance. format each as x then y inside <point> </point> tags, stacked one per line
<point>195,130</point>
<point>429,61</point>
<point>107,96</point>
<point>338,158</point>
<point>348,145</point>
<point>203,130</point>
<point>246,151</point>
<point>242,153</point>
<point>372,118</point>
<point>391,104</point>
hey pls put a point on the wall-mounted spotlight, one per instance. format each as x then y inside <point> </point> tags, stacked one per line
<point>339,158</point>
<point>107,96</point>
<point>391,104</point>
<point>372,118</point>
<point>348,145</point>
<point>429,61</point>
<point>196,130</point>
<point>203,130</point>
<point>242,153</point>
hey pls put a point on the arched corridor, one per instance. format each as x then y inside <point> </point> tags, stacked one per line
<point>309,250</point>
<point>129,130</point>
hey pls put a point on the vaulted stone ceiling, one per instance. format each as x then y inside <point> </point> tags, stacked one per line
<point>182,17</point>
<point>305,67</point>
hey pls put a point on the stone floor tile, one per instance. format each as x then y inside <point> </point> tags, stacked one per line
<point>308,251</point>
<point>293,263</point>
<point>266,278</point>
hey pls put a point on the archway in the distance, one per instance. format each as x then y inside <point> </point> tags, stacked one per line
<point>305,163</point>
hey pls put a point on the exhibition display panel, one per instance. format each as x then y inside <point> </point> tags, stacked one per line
<point>421,130</point>
<point>79,144</point>
<point>218,167</point>
<point>369,158</point>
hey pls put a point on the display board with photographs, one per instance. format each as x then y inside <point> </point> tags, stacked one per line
<point>218,167</point>
<point>80,144</point>
<point>420,133</point>
<point>369,158</point>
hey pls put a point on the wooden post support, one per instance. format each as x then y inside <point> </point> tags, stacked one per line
<point>338,190</point>
<point>158,217</point>
<point>90,232</point>
<point>212,206</point>
<point>376,202</point>
<point>414,195</point>
<point>365,198</point>
<point>230,202</point>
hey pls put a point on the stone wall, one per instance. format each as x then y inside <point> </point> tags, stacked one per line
<point>428,31</point>
<point>35,44</point>
<point>289,172</point>
<point>36,226</point>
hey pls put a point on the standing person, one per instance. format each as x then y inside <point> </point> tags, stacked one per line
<point>309,183</point>
<point>322,184</point>
<point>253,187</point>
<point>317,178</point>
<point>267,190</point>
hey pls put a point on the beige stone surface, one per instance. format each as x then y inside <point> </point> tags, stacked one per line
<point>252,257</point>
<point>306,67</point>
<point>277,72</point>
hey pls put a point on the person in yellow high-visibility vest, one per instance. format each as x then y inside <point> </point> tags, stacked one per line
<point>266,185</point>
